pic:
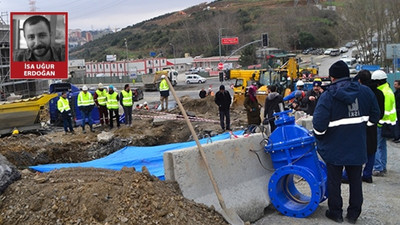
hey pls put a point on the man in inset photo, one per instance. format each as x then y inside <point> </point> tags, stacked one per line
<point>41,46</point>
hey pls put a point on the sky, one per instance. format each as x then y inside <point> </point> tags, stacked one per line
<point>95,15</point>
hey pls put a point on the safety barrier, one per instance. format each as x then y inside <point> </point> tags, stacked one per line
<point>293,154</point>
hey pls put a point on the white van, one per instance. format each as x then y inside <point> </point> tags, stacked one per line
<point>194,78</point>
<point>351,63</point>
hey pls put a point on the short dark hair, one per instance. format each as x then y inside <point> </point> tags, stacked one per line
<point>63,92</point>
<point>37,19</point>
<point>126,85</point>
<point>397,81</point>
<point>364,76</point>
<point>272,88</point>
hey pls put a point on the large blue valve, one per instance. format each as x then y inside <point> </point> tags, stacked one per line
<point>294,158</point>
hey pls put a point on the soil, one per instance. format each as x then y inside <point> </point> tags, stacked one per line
<point>99,196</point>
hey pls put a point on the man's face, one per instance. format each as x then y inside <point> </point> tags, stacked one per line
<point>316,88</point>
<point>396,85</point>
<point>37,38</point>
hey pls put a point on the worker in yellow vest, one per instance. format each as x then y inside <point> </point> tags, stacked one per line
<point>126,101</point>
<point>86,105</point>
<point>164,93</point>
<point>65,110</point>
<point>100,99</point>
<point>112,105</point>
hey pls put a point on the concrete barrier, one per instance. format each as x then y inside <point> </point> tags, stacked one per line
<point>241,178</point>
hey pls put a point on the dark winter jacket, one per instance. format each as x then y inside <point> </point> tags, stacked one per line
<point>310,105</point>
<point>223,100</point>
<point>397,97</point>
<point>253,111</point>
<point>340,121</point>
<point>271,105</point>
<point>372,140</point>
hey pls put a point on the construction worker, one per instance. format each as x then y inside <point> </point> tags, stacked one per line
<point>112,105</point>
<point>85,105</point>
<point>65,110</point>
<point>100,99</point>
<point>145,106</point>
<point>126,101</point>
<point>164,93</point>
<point>386,123</point>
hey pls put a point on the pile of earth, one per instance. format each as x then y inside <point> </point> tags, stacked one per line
<point>97,196</point>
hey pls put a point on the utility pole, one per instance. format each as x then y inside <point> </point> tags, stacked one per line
<point>173,50</point>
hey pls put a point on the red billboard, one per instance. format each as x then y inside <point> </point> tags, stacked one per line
<point>39,45</point>
<point>230,41</point>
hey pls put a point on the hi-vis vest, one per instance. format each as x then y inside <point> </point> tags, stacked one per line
<point>101,97</point>
<point>112,102</point>
<point>390,116</point>
<point>164,85</point>
<point>63,105</point>
<point>127,98</point>
<point>85,99</point>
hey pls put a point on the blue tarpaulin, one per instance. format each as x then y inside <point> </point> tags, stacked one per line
<point>131,156</point>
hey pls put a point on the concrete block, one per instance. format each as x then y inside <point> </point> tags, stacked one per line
<point>306,122</point>
<point>241,178</point>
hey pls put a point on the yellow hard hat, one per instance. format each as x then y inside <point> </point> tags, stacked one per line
<point>15,132</point>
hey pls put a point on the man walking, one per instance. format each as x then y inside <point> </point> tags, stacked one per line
<point>223,100</point>
<point>340,123</point>
<point>85,105</point>
<point>100,99</point>
<point>164,93</point>
<point>126,100</point>
<point>389,119</point>
<point>65,110</point>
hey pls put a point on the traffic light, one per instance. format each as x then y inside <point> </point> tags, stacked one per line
<point>265,40</point>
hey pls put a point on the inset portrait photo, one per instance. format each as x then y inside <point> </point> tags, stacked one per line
<point>38,37</point>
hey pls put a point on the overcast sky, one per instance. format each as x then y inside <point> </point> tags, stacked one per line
<point>91,14</point>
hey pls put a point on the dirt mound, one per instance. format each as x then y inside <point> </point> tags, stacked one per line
<point>98,196</point>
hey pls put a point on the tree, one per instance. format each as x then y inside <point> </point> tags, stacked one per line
<point>248,56</point>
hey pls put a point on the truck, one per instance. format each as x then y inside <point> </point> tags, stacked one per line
<point>245,78</point>
<point>151,81</point>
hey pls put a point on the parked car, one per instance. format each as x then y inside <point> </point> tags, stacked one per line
<point>334,52</point>
<point>137,94</point>
<point>194,78</point>
<point>343,49</point>
<point>308,50</point>
<point>328,51</point>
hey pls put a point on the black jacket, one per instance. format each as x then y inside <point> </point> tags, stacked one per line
<point>223,100</point>
<point>310,105</point>
<point>271,105</point>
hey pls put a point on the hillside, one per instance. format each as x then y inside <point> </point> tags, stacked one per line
<point>195,30</point>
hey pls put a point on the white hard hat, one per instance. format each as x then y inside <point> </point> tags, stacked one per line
<point>162,76</point>
<point>101,85</point>
<point>84,88</point>
<point>144,103</point>
<point>300,83</point>
<point>378,75</point>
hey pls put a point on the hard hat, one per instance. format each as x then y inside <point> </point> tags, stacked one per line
<point>111,87</point>
<point>162,76</point>
<point>300,83</point>
<point>84,88</point>
<point>15,132</point>
<point>140,105</point>
<point>144,103</point>
<point>378,75</point>
<point>100,85</point>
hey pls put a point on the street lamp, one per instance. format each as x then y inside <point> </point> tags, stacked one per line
<point>173,50</point>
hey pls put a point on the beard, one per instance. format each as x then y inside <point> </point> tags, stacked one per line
<point>40,50</point>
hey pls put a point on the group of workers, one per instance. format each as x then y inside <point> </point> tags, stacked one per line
<point>352,120</point>
<point>107,101</point>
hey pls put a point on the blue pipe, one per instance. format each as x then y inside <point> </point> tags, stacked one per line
<point>293,152</point>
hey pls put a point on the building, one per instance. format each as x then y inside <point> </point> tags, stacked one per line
<point>126,68</point>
